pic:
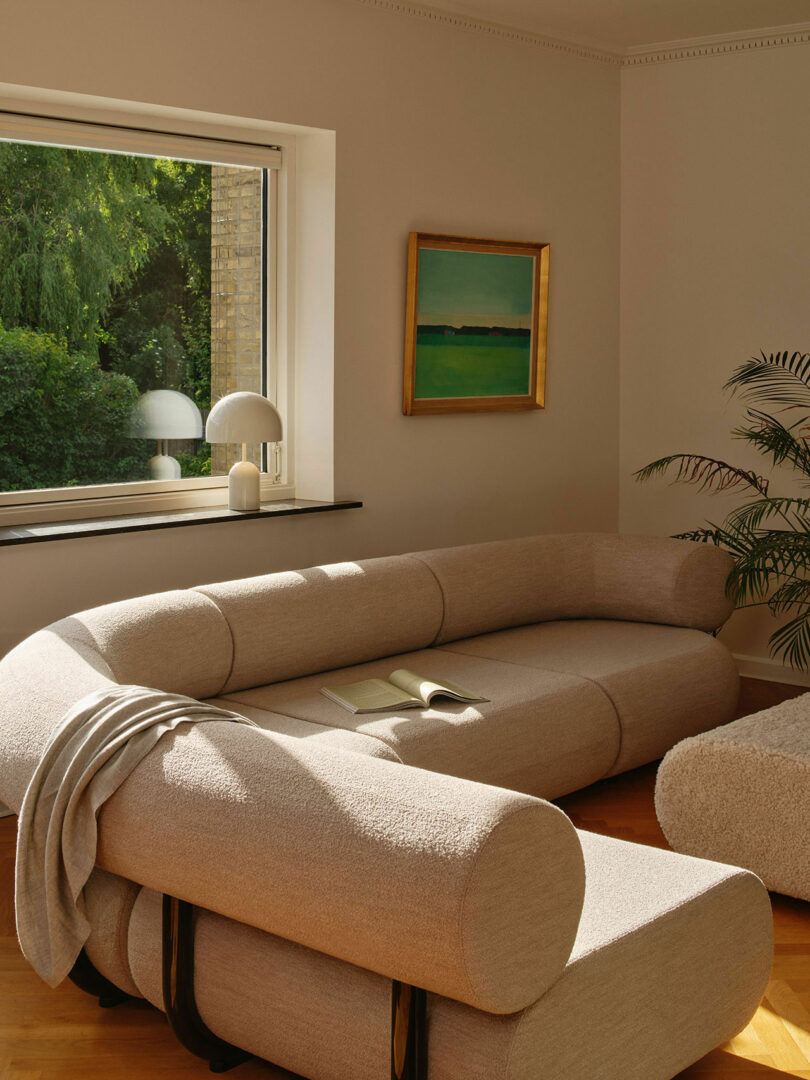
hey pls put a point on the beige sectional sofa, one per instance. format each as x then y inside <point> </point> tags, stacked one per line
<point>331,853</point>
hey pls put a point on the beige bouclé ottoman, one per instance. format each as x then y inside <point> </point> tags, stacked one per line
<point>740,794</point>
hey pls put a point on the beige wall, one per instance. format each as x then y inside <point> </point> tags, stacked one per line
<point>437,130</point>
<point>715,266</point>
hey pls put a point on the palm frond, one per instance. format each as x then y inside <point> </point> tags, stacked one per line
<point>775,555</point>
<point>771,564</point>
<point>771,436</point>
<point>788,595</point>
<point>737,541</point>
<point>710,535</point>
<point>792,641</point>
<point>751,515</point>
<point>780,377</point>
<point>708,473</point>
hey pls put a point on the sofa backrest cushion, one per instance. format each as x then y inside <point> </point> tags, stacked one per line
<point>506,583</point>
<point>176,641</point>
<point>305,621</point>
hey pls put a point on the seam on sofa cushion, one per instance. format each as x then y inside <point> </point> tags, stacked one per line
<point>334,727</point>
<point>555,671</point>
<point>417,558</point>
<point>229,628</point>
<point>122,930</point>
<point>232,701</point>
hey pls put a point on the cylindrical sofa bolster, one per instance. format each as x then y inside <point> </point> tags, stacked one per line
<point>505,583</point>
<point>470,891</point>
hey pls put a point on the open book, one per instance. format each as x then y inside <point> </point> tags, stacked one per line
<point>404,690</point>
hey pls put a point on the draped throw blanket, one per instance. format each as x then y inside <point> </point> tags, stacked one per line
<point>96,746</point>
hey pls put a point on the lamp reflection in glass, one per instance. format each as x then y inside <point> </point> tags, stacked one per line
<point>244,417</point>
<point>164,415</point>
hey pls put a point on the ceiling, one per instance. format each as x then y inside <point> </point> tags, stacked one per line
<point>623,24</point>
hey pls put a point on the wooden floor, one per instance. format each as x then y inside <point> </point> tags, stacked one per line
<point>62,1034</point>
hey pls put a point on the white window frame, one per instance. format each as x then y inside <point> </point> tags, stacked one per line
<point>163,133</point>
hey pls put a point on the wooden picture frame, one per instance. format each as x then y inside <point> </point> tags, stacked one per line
<point>475,325</point>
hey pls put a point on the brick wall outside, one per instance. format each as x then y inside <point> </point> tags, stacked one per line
<point>236,293</point>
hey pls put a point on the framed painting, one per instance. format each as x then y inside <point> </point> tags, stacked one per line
<point>475,325</point>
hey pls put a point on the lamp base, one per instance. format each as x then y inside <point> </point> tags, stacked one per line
<point>244,487</point>
<point>164,467</point>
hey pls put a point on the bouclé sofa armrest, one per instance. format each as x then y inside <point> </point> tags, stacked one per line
<point>663,580</point>
<point>470,891</point>
<point>506,583</point>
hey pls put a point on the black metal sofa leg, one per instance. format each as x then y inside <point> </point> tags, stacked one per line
<point>408,1003</point>
<point>88,978</point>
<point>178,991</point>
<point>408,1032</point>
<point>408,1006</point>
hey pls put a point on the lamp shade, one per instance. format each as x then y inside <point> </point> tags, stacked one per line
<point>243,417</point>
<point>165,414</point>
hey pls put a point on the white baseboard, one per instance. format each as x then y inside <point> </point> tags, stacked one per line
<point>761,667</point>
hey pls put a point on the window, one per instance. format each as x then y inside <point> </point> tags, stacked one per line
<point>138,275</point>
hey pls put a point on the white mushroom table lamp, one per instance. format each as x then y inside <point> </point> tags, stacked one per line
<point>164,415</point>
<point>243,418</point>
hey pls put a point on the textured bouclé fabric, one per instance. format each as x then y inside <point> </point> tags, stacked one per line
<point>465,889</point>
<point>685,679</point>
<point>671,959</point>
<point>92,752</point>
<point>741,794</point>
<point>506,583</point>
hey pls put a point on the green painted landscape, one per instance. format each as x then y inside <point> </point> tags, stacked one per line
<point>467,365</point>
<point>474,316</point>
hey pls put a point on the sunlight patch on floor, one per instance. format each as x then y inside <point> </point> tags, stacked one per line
<point>779,1034</point>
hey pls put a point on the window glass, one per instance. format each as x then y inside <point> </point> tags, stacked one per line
<point>130,297</point>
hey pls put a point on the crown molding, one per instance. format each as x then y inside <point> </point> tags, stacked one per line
<point>456,21</point>
<point>662,52</point>
<point>775,37</point>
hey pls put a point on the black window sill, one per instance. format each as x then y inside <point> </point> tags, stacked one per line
<point>171,519</point>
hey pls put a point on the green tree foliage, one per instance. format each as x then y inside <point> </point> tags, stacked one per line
<point>769,535</point>
<point>63,421</point>
<point>198,464</point>
<point>158,329</point>
<point>75,227</point>
<point>110,255</point>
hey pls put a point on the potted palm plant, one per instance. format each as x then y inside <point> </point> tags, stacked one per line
<point>768,535</point>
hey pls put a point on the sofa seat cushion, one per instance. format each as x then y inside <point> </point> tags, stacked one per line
<point>671,959</point>
<point>303,729</point>
<point>665,682</point>
<point>541,732</point>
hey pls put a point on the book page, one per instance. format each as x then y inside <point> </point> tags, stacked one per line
<point>425,689</point>
<point>371,695</point>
